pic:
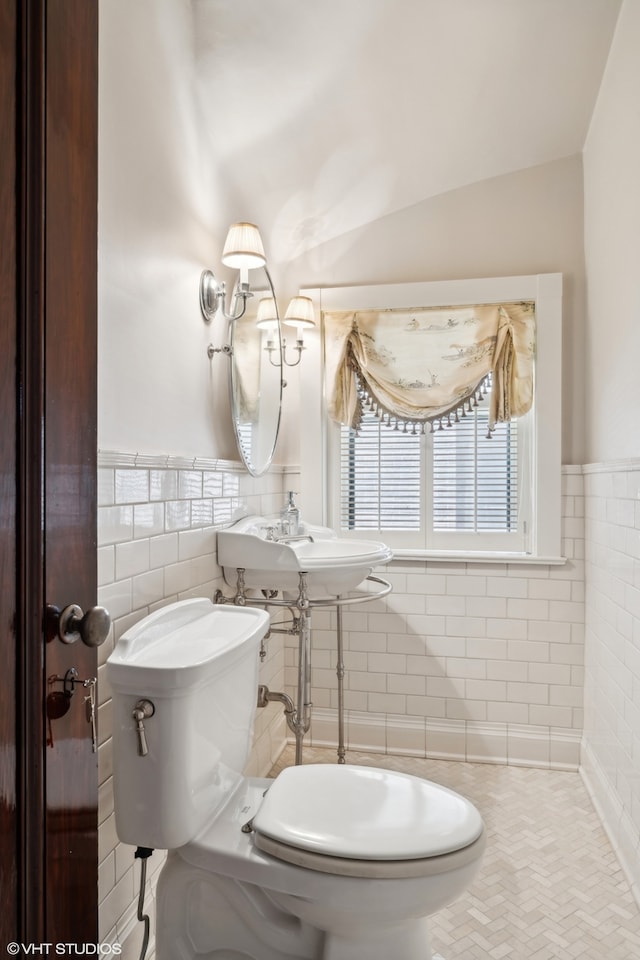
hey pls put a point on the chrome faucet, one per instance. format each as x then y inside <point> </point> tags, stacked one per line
<point>287,539</point>
<point>271,533</point>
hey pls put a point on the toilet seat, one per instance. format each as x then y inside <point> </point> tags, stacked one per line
<point>372,869</point>
<point>365,821</point>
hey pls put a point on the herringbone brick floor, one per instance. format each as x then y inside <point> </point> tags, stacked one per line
<point>550,886</point>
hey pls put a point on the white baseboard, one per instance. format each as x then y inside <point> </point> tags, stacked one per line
<point>549,748</point>
<point>623,834</point>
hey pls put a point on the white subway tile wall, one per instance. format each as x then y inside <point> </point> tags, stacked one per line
<point>463,660</point>
<point>157,544</point>
<point>611,749</point>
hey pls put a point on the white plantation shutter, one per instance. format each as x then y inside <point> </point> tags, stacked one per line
<point>380,471</point>
<point>387,475</point>
<point>475,478</point>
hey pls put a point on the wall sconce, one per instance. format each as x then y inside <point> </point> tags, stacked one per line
<point>267,320</point>
<point>299,314</point>
<point>243,250</point>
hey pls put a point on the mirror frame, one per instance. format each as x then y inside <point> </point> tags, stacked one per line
<point>256,470</point>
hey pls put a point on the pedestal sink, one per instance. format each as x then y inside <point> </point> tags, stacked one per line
<point>333,565</point>
<point>253,556</point>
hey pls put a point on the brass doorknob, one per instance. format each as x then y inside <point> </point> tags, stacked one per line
<point>91,627</point>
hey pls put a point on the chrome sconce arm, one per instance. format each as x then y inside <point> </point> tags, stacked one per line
<point>270,348</point>
<point>213,298</point>
<point>299,314</point>
<point>243,250</point>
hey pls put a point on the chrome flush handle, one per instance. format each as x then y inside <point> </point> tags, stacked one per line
<point>141,712</point>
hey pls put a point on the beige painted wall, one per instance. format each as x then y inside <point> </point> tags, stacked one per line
<point>162,219</point>
<point>164,212</point>
<point>612,248</point>
<point>523,223</point>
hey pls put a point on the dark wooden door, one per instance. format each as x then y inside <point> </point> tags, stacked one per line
<point>48,247</point>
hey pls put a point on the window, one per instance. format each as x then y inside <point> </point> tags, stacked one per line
<point>452,493</point>
<point>457,481</point>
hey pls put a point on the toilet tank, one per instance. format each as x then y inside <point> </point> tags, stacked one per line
<point>197,664</point>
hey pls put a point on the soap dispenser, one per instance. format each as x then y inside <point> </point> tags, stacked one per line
<point>290,517</point>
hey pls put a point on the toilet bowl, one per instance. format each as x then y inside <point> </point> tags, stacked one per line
<point>326,862</point>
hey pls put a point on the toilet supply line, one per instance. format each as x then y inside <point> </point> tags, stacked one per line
<point>143,854</point>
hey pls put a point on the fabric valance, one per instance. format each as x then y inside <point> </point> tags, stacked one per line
<point>428,365</point>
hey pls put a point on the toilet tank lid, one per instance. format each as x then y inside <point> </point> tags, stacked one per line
<point>183,637</point>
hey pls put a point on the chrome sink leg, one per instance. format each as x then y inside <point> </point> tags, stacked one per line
<point>304,705</point>
<point>340,675</point>
<point>304,683</point>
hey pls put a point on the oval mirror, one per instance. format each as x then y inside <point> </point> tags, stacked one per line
<point>256,375</point>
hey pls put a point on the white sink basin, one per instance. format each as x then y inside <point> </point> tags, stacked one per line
<point>333,565</point>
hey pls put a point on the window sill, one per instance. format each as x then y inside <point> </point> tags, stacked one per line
<point>476,556</point>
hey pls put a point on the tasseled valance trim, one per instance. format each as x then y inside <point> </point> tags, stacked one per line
<point>459,411</point>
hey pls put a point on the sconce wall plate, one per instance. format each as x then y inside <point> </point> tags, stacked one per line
<point>209,295</point>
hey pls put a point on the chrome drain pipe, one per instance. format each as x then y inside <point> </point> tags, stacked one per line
<point>298,720</point>
<point>266,696</point>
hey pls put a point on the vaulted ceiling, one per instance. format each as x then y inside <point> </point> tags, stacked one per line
<point>324,115</point>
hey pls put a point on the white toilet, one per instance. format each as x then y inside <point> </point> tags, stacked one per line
<point>323,863</point>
